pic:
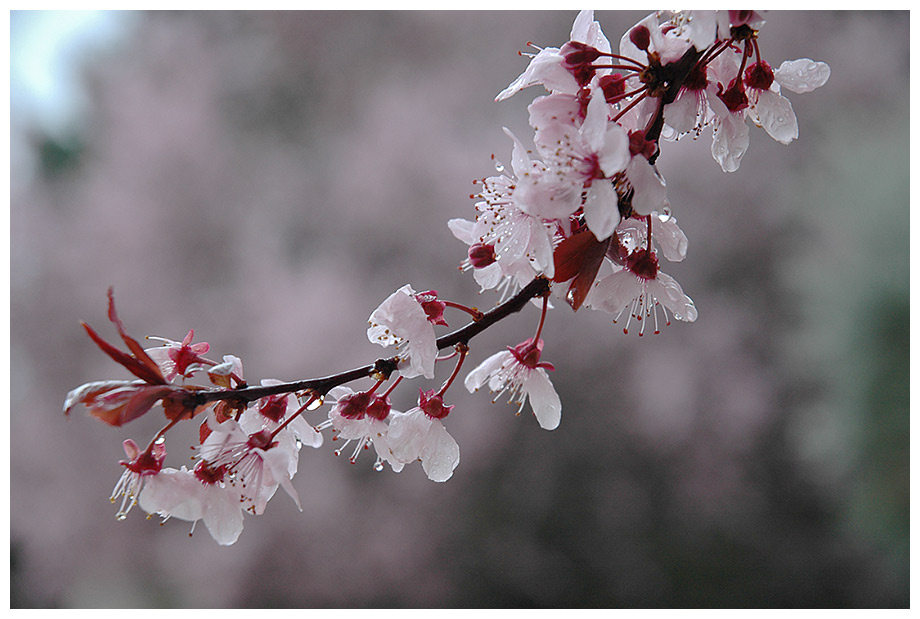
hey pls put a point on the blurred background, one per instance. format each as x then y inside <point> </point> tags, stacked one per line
<point>269,178</point>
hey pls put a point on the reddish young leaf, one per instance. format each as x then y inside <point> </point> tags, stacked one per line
<point>569,255</point>
<point>578,258</point>
<point>139,353</point>
<point>141,370</point>
<point>142,400</point>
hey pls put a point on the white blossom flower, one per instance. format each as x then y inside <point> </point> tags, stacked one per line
<point>508,247</point>
<point>256,464</point>
<point>193,496</point>
<point>416,435</point>
<point>400,320</point>
<point>140,468</point>
<point>580,163</point>
<point>520,372</point>
<point>231,369</point>
<point>548,67</point>
<point>641,288</point>
<point>768,107</point>
<point>361,417</point>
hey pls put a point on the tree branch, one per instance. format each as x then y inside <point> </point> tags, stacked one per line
<point>539,287</point>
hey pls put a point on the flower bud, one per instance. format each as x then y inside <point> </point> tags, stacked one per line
<point>481,255</point>
<point>640,37</point>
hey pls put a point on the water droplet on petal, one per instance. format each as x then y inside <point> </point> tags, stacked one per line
<point>570,296</point>
<point>378,466</point>
<point>499,166</point>
<point>665,214</point>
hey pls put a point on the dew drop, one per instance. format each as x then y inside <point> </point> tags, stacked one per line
<point>378,466</point>
<point>665,214</point>
<point>316,404</point>
<point>121,515</point>
<point>499,166</point>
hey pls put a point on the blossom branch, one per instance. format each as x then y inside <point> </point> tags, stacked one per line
<point>381,367</point>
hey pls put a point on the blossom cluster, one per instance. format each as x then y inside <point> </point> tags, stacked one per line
<point>583,217</point>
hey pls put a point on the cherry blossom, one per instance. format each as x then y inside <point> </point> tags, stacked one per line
<point>257,465</point>
<point>281,413</point>
<point>641,289</point>
<point>549,67</point>
<point>196,495</point>
<point>769,108</point>
<point>402,321</point>
<point>416,435</point>
<point>508,246</point>
<point>579,160</point>
<point>520,372</point>
<point>179,358</point>
<point>361,417</point>
<point>140,468</point>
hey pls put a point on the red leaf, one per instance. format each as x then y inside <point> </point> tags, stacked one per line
<point>569,255</point>
<point>138,404</point>
<point>578,258</point>
<point>139,353</point>
<point>134,366</point>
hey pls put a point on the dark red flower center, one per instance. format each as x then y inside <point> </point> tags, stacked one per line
<point>354,406</point>
<point>261,440</point>
<point>696,80</point>
<point>759,75</point>
<point>643,263</point>
<point>638,145</point>
<point>734,98</point>
<point>273,407</point>
<point>379,408</point>
<point>209,475</point>
<point>432,404</point>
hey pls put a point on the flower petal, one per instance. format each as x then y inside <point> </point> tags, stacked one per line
<point>545,402</point>
<point>440,453</point>
<point>802,75</point>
